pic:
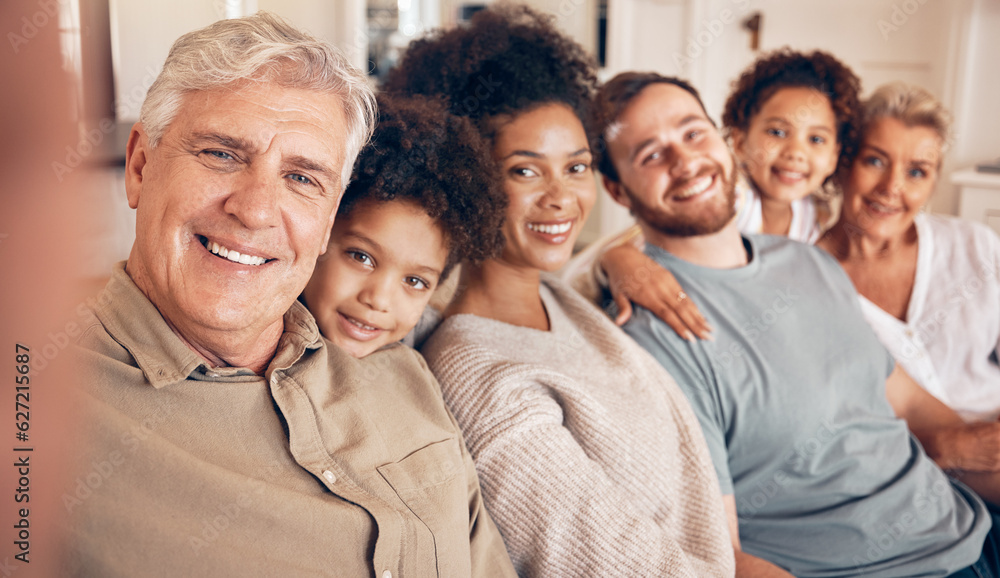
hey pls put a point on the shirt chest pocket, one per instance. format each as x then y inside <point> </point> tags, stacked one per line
<point>432,483</point>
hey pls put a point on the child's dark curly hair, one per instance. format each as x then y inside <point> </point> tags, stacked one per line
<point>509,60</point>
<point>422,154</point>
<point>786,68</point>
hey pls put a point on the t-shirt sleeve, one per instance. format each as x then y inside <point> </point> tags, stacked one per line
<point>690,365</point>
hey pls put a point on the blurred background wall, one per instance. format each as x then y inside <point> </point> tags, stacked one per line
<point>950,47</point>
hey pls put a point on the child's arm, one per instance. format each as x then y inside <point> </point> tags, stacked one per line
<point>618,264</point>
<point>632,276</point>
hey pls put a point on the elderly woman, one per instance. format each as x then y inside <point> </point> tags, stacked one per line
<point>929,285</point>
<point>591,460</point>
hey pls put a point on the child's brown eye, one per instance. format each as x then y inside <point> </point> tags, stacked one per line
<point>416,282</point>
<point>361,257</point>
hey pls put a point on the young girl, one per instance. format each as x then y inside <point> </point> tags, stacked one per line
<point>403,223</point>
<point>790,121</point>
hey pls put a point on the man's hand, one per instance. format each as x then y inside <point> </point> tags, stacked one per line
<point>632,276</point>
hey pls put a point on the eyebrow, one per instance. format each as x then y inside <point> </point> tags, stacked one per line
<point>242,144</point>
<point>874,148</point>
<point>785,121</point>
<point>232,142</point>
<point>534,155</point>
<point>379,248</point>
<point>311,165</point>
<point>683,122</point>
<point>885,154</point>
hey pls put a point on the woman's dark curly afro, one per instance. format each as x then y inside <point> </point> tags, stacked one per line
<point>508,60</point>
<point>422,154</point>
<point>787,68</point>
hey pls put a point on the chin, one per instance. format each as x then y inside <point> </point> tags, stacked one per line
<point>551,263</point>
<point>355,349</point>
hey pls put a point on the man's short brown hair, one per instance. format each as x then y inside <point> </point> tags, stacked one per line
<point>611,100</point>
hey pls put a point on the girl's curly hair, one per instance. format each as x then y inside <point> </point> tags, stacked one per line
<point>508,60</point>
<point>786,68</point>
<point>422,154</point>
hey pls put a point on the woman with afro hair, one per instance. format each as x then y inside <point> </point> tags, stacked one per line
<point>590,458</point>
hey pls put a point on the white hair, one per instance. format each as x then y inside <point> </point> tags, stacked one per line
<point>911,105</point>
<point>262,47</point>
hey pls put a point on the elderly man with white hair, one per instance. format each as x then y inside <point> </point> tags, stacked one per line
<point>225,436</point>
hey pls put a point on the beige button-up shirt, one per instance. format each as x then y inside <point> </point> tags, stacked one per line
<point>326,465</point>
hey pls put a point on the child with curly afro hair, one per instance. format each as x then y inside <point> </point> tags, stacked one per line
<point>404,221</point>
<point>791,120</point>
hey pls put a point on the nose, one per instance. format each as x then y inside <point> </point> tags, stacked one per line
<point>684,163</point>
<point>377,291</point>
<point>557,193</point>
<point>894,182</point>
<point>794,149</point>
<point>254,198</point>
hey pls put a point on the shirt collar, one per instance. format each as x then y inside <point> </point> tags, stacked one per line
<point>134,322</point>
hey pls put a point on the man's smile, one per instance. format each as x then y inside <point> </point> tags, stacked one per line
<point>231,254</point>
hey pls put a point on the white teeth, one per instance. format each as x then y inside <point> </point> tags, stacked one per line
<point>551,229</point>
<point>234,256</point>
<point>697,187</point>
<point>880,207</point>
<point>361,325</point>
<point>791,174</point>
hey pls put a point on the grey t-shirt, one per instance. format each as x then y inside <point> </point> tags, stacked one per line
<point>791,398</point>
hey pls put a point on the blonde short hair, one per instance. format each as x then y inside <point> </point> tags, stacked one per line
<point>262,47</point>
<point>911,105</point>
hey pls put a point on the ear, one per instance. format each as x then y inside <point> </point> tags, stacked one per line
<point>136,156</point>
<point>329,226</point>
<point>617,192</point>
<point>739,139</point>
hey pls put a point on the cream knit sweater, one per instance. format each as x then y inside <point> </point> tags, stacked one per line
<point>590,458</point>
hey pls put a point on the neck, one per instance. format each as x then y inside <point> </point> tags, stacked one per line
<point>252,347</point>
<point>227,350</point>
<point>720,250</point>
<point>497,290</point>
<point>776,216</point>
<point>849,242</point>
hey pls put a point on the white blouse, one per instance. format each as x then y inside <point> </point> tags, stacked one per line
<point>950,340</point>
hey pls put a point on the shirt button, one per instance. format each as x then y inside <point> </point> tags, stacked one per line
<point>387,574</point>
<point>329,476</point>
